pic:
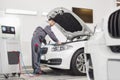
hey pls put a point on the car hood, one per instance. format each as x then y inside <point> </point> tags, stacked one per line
<point>69,23</point>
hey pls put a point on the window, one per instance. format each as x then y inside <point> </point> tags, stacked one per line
<point>117,3</point>
<point>85,14</point>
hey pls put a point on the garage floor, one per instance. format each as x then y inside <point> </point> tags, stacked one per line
<point>51,75</point>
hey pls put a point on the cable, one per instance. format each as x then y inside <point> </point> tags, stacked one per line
<point>25,69</point>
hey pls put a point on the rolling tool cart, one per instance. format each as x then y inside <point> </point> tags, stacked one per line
<point>9,51</point>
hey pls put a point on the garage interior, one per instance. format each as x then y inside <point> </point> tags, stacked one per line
<point>34,13</point>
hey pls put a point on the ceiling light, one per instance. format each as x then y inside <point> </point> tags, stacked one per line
<point>20,12</point>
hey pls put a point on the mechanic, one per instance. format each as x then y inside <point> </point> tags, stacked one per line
<point>37,39</point>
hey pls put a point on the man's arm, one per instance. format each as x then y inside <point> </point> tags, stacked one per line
<point>50,33</point>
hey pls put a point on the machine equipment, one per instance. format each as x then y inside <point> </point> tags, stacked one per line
<point>9,51</point>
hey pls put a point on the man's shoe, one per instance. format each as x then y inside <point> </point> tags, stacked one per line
<point>37,72</point>
<point>43,72</point>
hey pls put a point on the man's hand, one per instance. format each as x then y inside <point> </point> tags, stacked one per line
<point>59,42</point>
<point>44,41</point>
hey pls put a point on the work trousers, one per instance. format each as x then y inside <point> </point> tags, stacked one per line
<point>36,54</point>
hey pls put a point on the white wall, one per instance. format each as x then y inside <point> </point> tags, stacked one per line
<point>29,23</point>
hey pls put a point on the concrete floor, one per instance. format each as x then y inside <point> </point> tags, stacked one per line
<point>51,75</point>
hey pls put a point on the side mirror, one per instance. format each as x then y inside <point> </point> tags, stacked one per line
<point>49,42</point>
<point>94,29</point>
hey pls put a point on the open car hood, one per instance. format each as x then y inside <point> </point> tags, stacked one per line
<point>69,23</point>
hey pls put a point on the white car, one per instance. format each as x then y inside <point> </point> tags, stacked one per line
<point>103,50</point>
<point>70,54</point>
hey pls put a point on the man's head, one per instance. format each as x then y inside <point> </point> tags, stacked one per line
<point>51,21</point>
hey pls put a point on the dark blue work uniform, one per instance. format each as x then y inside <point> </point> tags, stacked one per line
<point>37,39</point>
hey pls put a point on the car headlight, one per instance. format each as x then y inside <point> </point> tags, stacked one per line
<point>61,48</point>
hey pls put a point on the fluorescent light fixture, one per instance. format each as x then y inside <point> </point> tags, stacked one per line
<point>21,12</point>
<point>44,13</point>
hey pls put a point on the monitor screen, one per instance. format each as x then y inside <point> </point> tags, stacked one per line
<point>8,29</point>
<point>85,14</point>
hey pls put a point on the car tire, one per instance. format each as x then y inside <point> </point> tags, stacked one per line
<point>90,70</point>
<point>78,63</point>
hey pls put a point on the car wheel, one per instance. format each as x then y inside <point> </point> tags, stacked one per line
<point>78,63</point>
<point>89,67</point>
